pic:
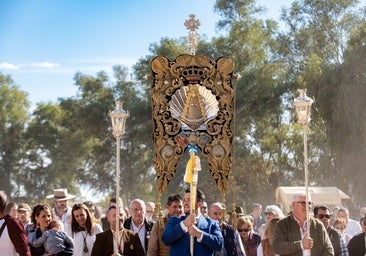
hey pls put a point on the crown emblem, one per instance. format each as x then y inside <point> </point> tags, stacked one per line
<point>193,74</point>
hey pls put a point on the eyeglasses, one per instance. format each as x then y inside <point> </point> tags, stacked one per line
<point>321,216</point>
<point>244,230</point>
<point>268,213</point>
<point>303,203</point>
<point>149,211</point>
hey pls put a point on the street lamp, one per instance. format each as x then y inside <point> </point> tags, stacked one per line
<point>118,117</point>
<point>302,106</point>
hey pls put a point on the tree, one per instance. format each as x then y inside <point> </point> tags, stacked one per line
<point>260,110</point>
<point>341,104</point>
<point>53,153</point>
<point>13,119</point>
<point>313,45</point>
<point>71,140</point>
<point>71,143</point>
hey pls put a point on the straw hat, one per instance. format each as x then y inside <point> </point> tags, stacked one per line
<point>60,194</point>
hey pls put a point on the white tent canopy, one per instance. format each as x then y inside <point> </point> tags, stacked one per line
<point>330,196</point>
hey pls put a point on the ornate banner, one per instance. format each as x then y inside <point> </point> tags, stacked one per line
<point>193,107</point>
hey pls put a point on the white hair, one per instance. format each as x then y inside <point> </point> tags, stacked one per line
<point>296,196</point>
<point>152,204</point>
<point>275,210</point>
<point>137,200</point>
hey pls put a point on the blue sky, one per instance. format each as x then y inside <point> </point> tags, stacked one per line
<point>43,43</point>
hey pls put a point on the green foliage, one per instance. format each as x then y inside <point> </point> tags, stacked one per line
<point>342,100</point>
<point>259,99</point>
<point>315,43</point>
<point>13,118</point>
<point>321,47</point>
<point>52,153</point>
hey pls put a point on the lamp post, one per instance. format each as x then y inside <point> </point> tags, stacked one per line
<point>118,117</point>
<point>302,106</point>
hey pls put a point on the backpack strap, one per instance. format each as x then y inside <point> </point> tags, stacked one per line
<point>2,227</point>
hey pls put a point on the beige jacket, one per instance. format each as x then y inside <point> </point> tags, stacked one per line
<point>156,247</point>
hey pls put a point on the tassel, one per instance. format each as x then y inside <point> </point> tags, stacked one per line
<point>189,175</point>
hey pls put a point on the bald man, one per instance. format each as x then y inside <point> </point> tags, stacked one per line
<point>232,241</point>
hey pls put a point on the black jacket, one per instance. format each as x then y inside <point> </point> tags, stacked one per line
<point>356,246</point>
<point>148,227</point>
<point>103,244</point>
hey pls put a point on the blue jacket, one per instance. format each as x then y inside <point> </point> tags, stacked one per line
<point>179,241</point>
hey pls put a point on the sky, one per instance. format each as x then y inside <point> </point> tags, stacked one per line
<point>44,43</point>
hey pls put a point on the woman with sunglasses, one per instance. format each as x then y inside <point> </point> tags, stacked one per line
<point>249,238</point>
<point>271,211</point>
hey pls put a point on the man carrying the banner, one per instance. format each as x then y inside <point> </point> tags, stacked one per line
<point>206,232</point>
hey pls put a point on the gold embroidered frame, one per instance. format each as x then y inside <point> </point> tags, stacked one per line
<point>201,94</point>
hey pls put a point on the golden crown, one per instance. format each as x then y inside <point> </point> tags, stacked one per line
<point>193,74</point>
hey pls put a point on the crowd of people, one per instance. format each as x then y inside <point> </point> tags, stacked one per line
<point>82,230</point>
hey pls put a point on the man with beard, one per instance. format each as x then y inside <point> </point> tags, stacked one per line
<point>206,233</point>
<point>128,242</point>
<point>322,213</point>
<point>187,203</point>
<point>62,211</point>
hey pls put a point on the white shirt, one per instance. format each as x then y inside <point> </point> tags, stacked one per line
<point>140,231</point>
<point>65,219</point>
<point>353,227</point>
<point>6,245</point>
<point>78,238</point>
<point>303,231</point>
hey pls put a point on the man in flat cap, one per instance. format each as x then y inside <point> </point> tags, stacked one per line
<point>24,215</point>
<point>62,211</point>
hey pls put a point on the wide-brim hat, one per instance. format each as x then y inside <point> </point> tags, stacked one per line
<point>60,194</point>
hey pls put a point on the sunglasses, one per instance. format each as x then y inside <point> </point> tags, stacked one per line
<point>322,216</point>
<point>244,230</point>
<point>303,203</point>
<point>268,213</point>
